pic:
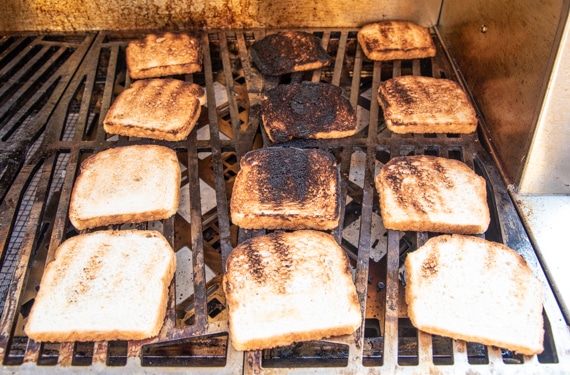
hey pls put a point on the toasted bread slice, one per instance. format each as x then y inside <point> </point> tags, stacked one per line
<point>286,287</point>
<point>414,104</point>
<point>164,109</point>
<point>287,52</point>
<point>395,40</point>
<point>161,55</point>
<point>475,290</point>
<point>307,110</point>
<point>130,184</point>
<point>105,285</point>
<point>432,194</point>
<point>286,188</point>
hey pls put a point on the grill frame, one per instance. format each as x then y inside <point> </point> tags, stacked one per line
<point>48,226</point>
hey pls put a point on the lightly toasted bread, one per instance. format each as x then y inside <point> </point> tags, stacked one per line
<point>432,194</point>
<point>415,104</point>
<point>129,184</point>
<point>288,52</point>
<point>163,109</point>
<point>289,286</point>
<point>161,55</point>
<point>105,285</point>
<point>395,40</point>
<point>286,188</point>
<point>475,290</point>
<point>305,110</point>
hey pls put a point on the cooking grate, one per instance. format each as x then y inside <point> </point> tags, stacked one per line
<point>64,115</point>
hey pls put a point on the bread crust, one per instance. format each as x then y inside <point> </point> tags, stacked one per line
<point>307,110</point>
<point>432,194</point>
<point>395,40</point>
<point>288,52</point>
<point>129,184</point>
<point>163,109</point>
<point>105,285</point>
<point>278,292</point>
<point>475,290</point>
<point>160,55</point>
<point>286,188</point>
<point>416,104</point>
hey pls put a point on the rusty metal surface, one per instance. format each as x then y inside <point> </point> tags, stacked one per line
<point>75,15</point>
<point>194,338</point>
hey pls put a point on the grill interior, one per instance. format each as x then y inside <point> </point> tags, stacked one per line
<point>54,93</point>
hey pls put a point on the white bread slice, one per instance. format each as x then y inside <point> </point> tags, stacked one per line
<point>160,55</point>
<point>163,109</point>
<point>286,188</point>
<point>432,194</point>
<point>475,290</point>
<point>289,286</point>
<point>416,104</point>
<point>106,285</point>
<point>395,40</point>
<point>130,184</point>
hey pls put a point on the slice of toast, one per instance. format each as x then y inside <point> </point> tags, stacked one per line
<point>475,290</point>
<point>289,286</point>
<point>432,194</point>
<point>286,188</point>
<point>130,184</point>
<point>161,55</point>
<point>163,109</point>
<point>415,104</point>
<point>287,52</point>
<point>105,285</point>
<point>395,40</point>
<point>307,110</point>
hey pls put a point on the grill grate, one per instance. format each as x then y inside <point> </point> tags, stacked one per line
<point>65,113</point>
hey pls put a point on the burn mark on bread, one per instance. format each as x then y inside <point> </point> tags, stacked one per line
<point>288,51</point>
<point>301,110</point>
<point>290,174</point>
<point>430,266</point>
<point>403,176</point>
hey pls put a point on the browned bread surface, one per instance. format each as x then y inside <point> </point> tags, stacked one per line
<point>160,55</point>
<point>289,286</point>
<point>287,52</point>
<point>164,109</point>
<point>432,194</point>
<point>395,40</point>
<point>475,290</point>
<point>415,104</point>
<point>286,188</point>
<point>129,184</point>
<point>307,110</point>
<point>105,285</point>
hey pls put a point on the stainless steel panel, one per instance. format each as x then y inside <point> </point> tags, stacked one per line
<point>505,51</point>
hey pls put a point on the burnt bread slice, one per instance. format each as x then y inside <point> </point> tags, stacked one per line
<point>129,184</point>
<point>288,52</point>
<point>468,288</point>
<point>286,188</point>
<point>286,287</point>
<point>416,104</point>
<point>307,110</point>
<point>161,55</point>
<point>432,194</point>
<point>395,40</point>
<point>163,109</point>
<point>102,286</point>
